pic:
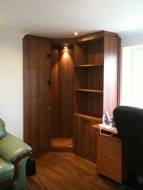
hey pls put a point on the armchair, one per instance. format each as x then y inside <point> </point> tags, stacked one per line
<point>14,156</point>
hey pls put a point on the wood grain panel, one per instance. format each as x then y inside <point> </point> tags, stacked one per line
<point>44,54</point>
<point>43,79</point>
<point>111,52</point>
<point>37,92</point>
<point>29,57</point>
<point>37,126</point>
<point>80,55</point>
<point>30,122</point>
<point>109,157</point>
<point>33,82</point>
<point>62,87</point>
<point>83,78</point>
<point>65,92</point>
<point>89,103</point>
<point>55,94</point>
<point>85,137</point>
<point>90,53</point>
<point>95,75</point>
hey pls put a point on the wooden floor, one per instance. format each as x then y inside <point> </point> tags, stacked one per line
<point>67,171</point>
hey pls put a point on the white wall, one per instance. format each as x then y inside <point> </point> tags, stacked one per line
<point>11,83</point>
<point>132,40</point>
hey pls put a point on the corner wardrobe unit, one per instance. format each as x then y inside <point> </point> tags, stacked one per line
<point>48,82</point>
<point>48,87</point>
<point>95,87</point>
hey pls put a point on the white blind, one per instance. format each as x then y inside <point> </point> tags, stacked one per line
<point>132,77</point>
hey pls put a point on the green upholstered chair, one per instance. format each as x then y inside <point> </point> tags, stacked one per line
<point>14,155</point>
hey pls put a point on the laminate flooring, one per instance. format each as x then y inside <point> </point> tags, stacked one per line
<point>67,171</point>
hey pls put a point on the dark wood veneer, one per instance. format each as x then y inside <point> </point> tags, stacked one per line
<point>62,75</point>
<point>37,93</point>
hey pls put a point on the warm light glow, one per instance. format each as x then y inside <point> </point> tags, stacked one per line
<point>65,55</point>
<point>76,33</point>
<point>65,49</point>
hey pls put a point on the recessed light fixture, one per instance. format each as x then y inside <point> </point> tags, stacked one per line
<point>76,33</point>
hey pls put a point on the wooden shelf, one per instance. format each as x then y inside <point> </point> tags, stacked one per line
<point>88,117</point>
<point>89,90</point>
<point>88,66</point>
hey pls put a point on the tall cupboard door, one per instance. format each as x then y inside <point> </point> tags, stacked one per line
<point>85,137</point>
<point>37,92</point>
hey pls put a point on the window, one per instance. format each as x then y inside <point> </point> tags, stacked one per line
<point>132,77</point>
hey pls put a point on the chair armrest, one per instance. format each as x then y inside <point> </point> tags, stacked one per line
<point>11,148</point>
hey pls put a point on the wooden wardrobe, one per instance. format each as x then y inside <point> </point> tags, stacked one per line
<point>67,89</point>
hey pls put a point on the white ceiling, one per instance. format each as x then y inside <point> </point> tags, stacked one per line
<point>61,18</point>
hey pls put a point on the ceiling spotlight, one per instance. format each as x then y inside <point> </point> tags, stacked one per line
<point>76,33</point>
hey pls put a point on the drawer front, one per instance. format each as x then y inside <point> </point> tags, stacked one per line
<point>110,169</point>
<point>109,157</point>
<point>102,154</point>
<point>109,144</point>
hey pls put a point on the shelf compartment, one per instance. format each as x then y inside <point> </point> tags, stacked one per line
<point>89,104</point>
<point>89,78</point>
<point>89,90</point>
<point>89,53</point>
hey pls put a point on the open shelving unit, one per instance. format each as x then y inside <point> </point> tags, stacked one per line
<point>89,77</point>
<point>95,85</point>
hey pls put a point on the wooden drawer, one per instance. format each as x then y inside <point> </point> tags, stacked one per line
<point>111,169</point>
<point>109,144</point>
<point>109,157</point>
